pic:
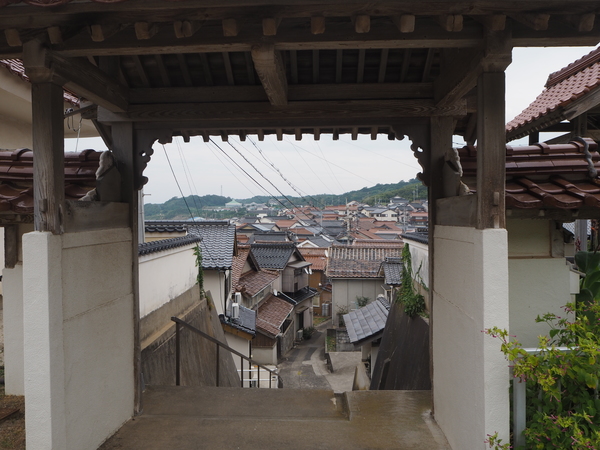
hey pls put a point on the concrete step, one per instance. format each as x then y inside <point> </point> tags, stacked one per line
<point>235,418</point>
<point>237,402</point>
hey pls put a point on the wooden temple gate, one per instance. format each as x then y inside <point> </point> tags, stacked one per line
<point>149,70</point>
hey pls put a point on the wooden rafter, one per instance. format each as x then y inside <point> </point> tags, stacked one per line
<point>269,66</point>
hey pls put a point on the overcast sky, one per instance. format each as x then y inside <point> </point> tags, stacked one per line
<point>316,167</point>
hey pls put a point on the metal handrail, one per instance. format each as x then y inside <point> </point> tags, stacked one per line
<point>179,323</point>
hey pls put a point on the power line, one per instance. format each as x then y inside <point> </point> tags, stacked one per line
<point>297,190</point>
<point>177,182</point>
<point>329,166</point>
<point>184,164</point>
<point>216,155</point>
<point>247,174</point>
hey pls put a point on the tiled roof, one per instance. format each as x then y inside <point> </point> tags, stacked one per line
<point>545,176</point>
<point>218,243</point>
<point>391,243</point>
<point>16,67</point>
<point>166,244</point>
<point>572,83</point>
<point>16,178</point>
<point>271,314</point>
<point>368,321</point>
<point>252,283</point>
<point>238,263</point>
<point>155,227</point>
<point>358,261</point>
<point>273,256</point>
<point>245,322</point>
<point>423,238</point>
<point>316,256</point>
<point>392,271</point>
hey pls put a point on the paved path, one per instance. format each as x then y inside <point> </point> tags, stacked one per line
<point>304,367</point>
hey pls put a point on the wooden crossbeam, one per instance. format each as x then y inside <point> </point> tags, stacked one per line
<point>362,23</point>
<point>230,27</point>
<point>493,22</point>
<point>55,35</point>
<point>13,38</point>
<point>79,76</point>
<point>582,22</point>
<point>450,22</point>
<point>271,71</point>
<point>463,67</point>
<point>537,22</point>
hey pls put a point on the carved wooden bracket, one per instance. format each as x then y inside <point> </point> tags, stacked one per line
<point>419,135</point>
<point>143,152</point>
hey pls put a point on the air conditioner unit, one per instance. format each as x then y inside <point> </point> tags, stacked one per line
<point>238,297</point>
<point>299,334</point>
<point>235,311</point>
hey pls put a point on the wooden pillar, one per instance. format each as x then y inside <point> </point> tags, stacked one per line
<point>441,129</point>
<point>48,162</point>
<point>123,139</point>
<point>491,151</point>
<point>48,139</point>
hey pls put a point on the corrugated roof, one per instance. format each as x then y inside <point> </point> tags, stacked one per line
<point>368,321</point>
<point>358,261</point>
<point>271,314</point>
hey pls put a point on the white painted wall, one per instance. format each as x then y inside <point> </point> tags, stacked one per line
<point>345,291</point>
<point>537,286</point>
<point>241,345</point>
<point>78,337</point>
<point>165,275</point>
<point>470,374</point>
<point>12,281</point>
<point>265,355</point>
<point>214,281</point>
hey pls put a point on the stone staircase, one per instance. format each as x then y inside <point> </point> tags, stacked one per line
<point>185,418</point>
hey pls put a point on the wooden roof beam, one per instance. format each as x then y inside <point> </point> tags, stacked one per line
<point>271,71</point>
<point>362,23</point>
<point>450,22</point>
<point>270,25</point>
<point>582,22</point>
<point>13,38</point>
<point>537,22</point>
<point>186,28</point>
<point>55,35</point>
<point>405,23</point>
<point>463,67</point>
<point>145,30</point>
<point>231,27</point>
<point>317,25</point>
<point>78,75</point>
<point>493,22</point>
<point>100,32</point>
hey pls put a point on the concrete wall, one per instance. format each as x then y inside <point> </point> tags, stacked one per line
<point>12,280</point>
<point>470,374</point>
<point>165,275</point>
<point>198,355</point>
<point>345,291</point>
<point>14,372</point>
<point>78,337</point>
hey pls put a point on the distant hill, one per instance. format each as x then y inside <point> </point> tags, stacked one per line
<point>176,207</point>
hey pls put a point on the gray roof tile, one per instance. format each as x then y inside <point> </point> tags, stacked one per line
<point>368,321</point>
<point>392,270</point>
<point>273,256</point>
<point>218,241</point>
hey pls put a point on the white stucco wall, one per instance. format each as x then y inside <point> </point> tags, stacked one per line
<point>165,275</point>
<point>537,286</point>
<point>214,281</point>
<point>470,374</point>
<point>241,345</point>
<point>265,355</point>
<point>345,291</point>
<point>12,281</point>
<point>78,337</point>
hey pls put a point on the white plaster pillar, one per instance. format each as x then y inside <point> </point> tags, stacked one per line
<point>471,376</point>
<point>43,341</point>
<point>12,284</point>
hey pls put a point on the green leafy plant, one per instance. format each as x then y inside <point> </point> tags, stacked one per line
<point>413,302</point>
<point>308,332</point>
<point>341,310</point>
<point>362,301</point>
<point>563,409</point>
<point>200,276</point>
